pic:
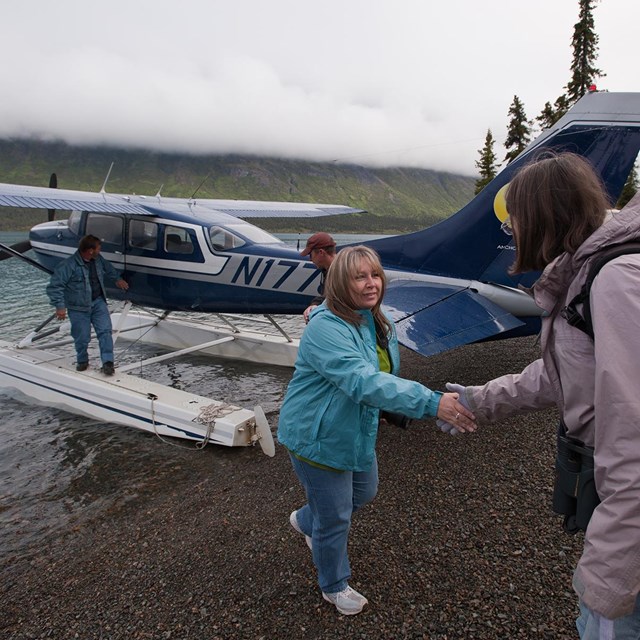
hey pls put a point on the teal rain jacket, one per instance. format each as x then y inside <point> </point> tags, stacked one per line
<point>330,411</point>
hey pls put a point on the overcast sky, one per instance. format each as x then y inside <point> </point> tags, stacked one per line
<point>374,82</point>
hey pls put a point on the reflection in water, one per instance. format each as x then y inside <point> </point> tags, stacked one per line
<point>56,467</point>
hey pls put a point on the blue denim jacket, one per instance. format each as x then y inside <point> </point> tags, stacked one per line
<point>330,412</point>
<point>70,288</point>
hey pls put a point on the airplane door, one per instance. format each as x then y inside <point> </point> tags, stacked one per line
<point>110,230</point>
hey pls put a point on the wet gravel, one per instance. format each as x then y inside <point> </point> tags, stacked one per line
<point>460,543</point>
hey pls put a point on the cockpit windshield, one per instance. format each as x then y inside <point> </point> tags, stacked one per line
<point>236,235</point>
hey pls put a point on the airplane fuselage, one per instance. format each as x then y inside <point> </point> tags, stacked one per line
<point>178,265</point>
<point>175,265</point>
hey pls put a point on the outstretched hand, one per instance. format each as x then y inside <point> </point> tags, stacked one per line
<point>460,390</point>
<point>445,427</point>
<point>452,410</point>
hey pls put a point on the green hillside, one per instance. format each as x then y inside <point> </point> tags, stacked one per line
<point>397,200</point>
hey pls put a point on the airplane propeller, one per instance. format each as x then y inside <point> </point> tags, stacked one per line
<point>16,250</point>
<point>53,184</point>
<point>19,247</point>
<point>10,252</point>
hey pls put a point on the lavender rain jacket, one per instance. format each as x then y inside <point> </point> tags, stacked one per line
<point>596,387</point>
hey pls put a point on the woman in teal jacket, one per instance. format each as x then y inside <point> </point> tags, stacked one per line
<point>345,373</point>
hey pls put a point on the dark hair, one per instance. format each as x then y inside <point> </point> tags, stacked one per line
<point>555,203</point>
<point>338,291</point>
<point>88,242</point>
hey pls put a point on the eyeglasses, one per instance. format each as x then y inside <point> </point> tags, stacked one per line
<point>506,226</point>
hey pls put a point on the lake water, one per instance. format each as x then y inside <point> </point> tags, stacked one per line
<point>55,467</point>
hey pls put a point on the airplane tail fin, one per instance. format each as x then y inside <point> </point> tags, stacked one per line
<point>603,127</point>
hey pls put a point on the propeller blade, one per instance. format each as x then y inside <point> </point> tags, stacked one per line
<point>53,184</point>
<point>19,247</point>
<point>12,252</point>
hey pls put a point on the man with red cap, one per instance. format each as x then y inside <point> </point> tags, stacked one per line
<point>321,248</point>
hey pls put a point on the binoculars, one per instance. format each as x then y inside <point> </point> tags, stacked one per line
<point>574,492</point>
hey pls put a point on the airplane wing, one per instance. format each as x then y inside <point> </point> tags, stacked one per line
<point>17,195</point>
<point>22,196</point>
<point>258,209</point>
<point>431,318</point>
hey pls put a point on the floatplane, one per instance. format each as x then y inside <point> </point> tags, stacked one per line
<point>448,284</point>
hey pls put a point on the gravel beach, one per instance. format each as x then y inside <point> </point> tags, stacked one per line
<point>460,543</point>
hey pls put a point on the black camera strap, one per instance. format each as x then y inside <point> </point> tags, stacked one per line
<point>570,313</point>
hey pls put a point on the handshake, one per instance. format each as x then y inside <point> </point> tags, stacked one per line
<point>463,421</point>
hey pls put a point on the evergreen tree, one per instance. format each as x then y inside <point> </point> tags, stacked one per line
<point>518,130</point>
<point>546,117</point>
<point>551,114</point>
<point>486,164</point>
<point>630,188</point>
<point>585,51</point>
<point>583,70</point>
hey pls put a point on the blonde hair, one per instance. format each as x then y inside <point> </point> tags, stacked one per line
<point>339,285</point>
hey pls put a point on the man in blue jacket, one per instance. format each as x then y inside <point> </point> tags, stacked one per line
<point>77,286</point>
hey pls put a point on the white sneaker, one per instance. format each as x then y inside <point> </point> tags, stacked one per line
<point>294,523</point>
<point>348,601</point>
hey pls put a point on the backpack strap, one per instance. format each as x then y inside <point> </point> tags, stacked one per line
<point>570,313</point>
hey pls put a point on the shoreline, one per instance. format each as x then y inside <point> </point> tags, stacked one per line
<point>460,542</point>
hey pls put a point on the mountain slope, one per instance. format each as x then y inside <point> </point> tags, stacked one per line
<point>397,199</point>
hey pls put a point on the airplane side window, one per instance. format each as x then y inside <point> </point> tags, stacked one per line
<point>223,239</point>
<point>107,228</point>
<point>143,235</point>
<point>74,222</point>
<point>177,240</point>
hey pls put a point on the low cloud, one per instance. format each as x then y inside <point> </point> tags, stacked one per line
<point>395,84</point>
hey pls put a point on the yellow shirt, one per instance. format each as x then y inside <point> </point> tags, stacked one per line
<point>383,359</point>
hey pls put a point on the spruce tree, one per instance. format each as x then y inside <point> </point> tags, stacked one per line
<point>486,164</point>
<point>583,70</point>
<point>552,113</point>
<point>630,188</point>
<point>585,52</point>
<point>518,130</point>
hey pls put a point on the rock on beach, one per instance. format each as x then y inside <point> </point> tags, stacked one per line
<point>460,543</point>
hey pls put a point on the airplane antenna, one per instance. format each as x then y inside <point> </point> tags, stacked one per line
<point>104,184</point>
<point>159,190</point>
<point>198,189</point>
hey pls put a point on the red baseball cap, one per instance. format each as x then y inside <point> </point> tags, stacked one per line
<point>319,240</point>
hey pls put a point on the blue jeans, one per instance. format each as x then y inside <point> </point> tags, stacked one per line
<point>81,322</point>
<point>332,497</point>
<point>592,627</point>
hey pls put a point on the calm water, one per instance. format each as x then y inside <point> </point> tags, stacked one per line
<point>56,468</point>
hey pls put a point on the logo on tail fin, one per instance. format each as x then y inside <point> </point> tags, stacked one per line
<point>500,209</point>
